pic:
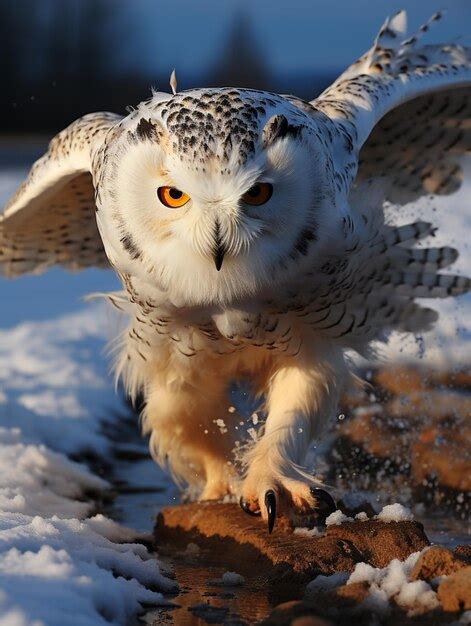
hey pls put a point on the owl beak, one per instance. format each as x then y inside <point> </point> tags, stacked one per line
<point>219,249</point>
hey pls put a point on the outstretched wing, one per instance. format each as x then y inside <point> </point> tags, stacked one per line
<point>51,218</point>
<point>398,123</point>
<point>406,111</point>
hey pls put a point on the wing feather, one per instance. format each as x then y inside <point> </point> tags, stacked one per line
<point>398,123</point>
<point>407,109</point>
<point>51,218</point>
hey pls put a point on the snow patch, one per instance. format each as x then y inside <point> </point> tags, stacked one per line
<point>395,513</point>
<point>321,583</point>
<point>308,532</point>
<point>60,565</point>
<point>229,579</point>
<point>392,583</point>
<point>336,518</point>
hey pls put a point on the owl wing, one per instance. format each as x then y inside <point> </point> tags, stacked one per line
<point>403,110</point>
<point>398,122</point>
<point>51,217</point>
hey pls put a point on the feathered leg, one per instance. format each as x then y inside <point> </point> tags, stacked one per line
<point>181,418</point>
<point>302,395</point>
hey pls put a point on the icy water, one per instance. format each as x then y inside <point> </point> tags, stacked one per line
<point>142,490</point>
<point>202,599</point>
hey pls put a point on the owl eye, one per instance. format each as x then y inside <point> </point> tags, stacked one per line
<point>258,194</point>
<point>172,197</point>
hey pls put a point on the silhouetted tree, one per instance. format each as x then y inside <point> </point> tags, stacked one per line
<point>242,62</point>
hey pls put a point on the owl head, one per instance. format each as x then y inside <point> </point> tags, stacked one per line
<point>213,195</point>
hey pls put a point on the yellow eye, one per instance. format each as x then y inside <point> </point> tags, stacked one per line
<point>258,194</point>
<point>172,197</point>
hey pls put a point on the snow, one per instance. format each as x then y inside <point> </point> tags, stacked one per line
<point>308,532</point>
<point>386,585</point>
<point>56,393</point>
<point>395,513</point>
<point>61,563</point>
<point>392,583</point>
<point>322,583</point>
<point>336,518</point>
<point>230,579</point>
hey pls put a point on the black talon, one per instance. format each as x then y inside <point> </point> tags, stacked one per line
<point>322,496</point>
<point>245,507</point>
<point>270,503</point>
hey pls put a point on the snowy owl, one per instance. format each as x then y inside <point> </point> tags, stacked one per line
<point>249,234</point>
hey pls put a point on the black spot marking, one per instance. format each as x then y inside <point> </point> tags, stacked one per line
<point>146,129</point>
<point>130,246</point>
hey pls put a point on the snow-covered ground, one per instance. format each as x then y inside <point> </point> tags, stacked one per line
<point>59,562</point>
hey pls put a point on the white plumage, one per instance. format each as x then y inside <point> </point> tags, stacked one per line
<point>249,234</point>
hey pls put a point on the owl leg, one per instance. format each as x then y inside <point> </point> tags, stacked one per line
<point>303,393</point>
<point>187,437</point>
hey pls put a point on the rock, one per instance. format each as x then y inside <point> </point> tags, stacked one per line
<point>463,551</point>
<point>232,539</point>
<point>310,620</point>
<point>437,561</point>
<point>377,541</point>
<point>352,595</point>
<point>400,380</point>
<point>414,434</point>
<point>435,404</point>
<point>295,613</point>
<point>453,469</point>
<point>454,592</point>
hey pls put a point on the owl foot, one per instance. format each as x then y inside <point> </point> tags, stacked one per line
<point>220,486</point>
<point>287,495</point>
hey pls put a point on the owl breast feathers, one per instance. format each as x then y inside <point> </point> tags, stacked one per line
<point>248,231</point>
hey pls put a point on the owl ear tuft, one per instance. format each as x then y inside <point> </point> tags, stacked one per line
<point>276,128</point>
<point>148,129</point>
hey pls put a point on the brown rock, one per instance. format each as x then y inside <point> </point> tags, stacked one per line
<point>352,594</point>
<point>454,592</point>
<point>401,380</point>
<point>419,430</point>
<point>343,603</point>
<point>310,620</point>
<point>436,561</point>
<point>229,537</point>
<point>378,436</point>
<point>443,452</point>
<point>463,551</point>
<point>296,613</point>
<point>378,542</point>
<point>434,404</point>
<point>459,379</point>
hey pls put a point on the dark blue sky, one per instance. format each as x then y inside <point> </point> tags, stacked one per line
<point>296,35</point>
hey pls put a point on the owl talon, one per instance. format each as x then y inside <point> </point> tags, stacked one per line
<point>327,503</point>
<point>270,503</point>
<point>244,505</point>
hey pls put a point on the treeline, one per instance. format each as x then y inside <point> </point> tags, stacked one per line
<point>55,64</point>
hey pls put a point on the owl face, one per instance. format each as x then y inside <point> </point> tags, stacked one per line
<point>216,194</point>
